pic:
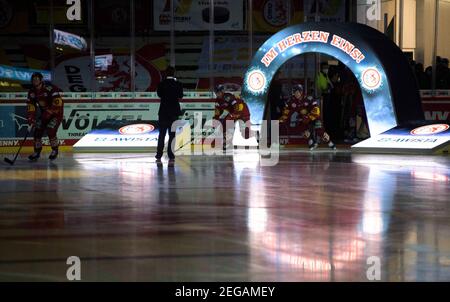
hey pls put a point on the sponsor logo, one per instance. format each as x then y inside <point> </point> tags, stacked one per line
<point>119,15</point>
<point>28,142</point>
<point>21,74</point>
<point>19,121</point>
<point>437,115</point>
<point>371,78</point>
<point>86,119</point>
<point>67,39</point>
<point>136,129</point>
<point>275,12</point>
<point>430,129</point>
<point>181,10</point>
<point>284,141</point>
<point>108,139</point>
<point>78,122</point>
<point>256,80</point>
<point>9,143</point>
<point>407,140</point>
<point>73,74</point>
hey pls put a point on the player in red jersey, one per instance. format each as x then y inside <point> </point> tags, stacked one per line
<point>309,117</point>
<point>45,113</point>
<point>234,108</point>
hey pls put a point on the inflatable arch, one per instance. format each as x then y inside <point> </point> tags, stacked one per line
<point>388,86</point>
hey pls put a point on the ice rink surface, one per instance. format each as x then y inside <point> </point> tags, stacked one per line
<point>321,216</point>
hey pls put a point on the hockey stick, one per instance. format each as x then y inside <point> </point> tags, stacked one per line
<point>11,162</point>
<point>189,142</point>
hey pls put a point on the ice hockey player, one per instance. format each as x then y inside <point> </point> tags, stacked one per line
<point>309,117</point>
<point>234,108</point>
<point>44,113</point>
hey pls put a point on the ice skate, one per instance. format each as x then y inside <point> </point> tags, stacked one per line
<point>35,156</point>
<point>53,155</point>
<point>331,145</point>
<point>313,146</point>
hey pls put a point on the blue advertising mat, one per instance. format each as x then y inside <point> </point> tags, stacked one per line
<point>420,137</point>
<point>121,136</point>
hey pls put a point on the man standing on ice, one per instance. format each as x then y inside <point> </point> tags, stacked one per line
<point>45,113</point>
<point>170,90</point>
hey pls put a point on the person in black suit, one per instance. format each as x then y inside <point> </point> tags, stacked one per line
<point>170,91</point>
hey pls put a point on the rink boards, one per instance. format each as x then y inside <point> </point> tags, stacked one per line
<point>84,111</point>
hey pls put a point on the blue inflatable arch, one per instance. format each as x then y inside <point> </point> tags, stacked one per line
<point>388,86</point>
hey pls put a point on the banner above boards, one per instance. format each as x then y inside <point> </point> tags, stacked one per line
<point>197,16</point>
<point>21,74</point>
